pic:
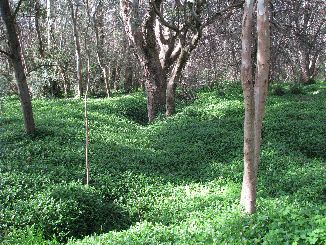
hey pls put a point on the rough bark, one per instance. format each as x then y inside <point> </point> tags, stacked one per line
<point>141,35</point>
<point>16,58</point>
<point>157,44</point>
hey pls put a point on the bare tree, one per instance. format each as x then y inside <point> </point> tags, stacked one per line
<point>163,43</point>
<point>15,55</point>
<point>299,29</point>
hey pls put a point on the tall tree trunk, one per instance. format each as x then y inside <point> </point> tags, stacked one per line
<point>248,193</point>
<point>16,58</point>
<point>99,35</point>
<point>48,24</point>
<point>66,86</point>
<point>304,66</point>
<point>128,77</point>
<point>254,96</point>
<point>106,75</point>
<point>79,87</point>
<point>116,81</point>
<point>143,38</point>
<point>263,65</point>
<point>38,29</point>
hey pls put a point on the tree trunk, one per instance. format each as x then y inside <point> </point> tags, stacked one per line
<point>174,78</point>
<point>254,96</point>
<point>38,29</point>
<point>152,103</point>
<point>79,88</point>
<point>16,58</point>
<point>170,98</point>
<point>99,35</point>
<point>105,73</point>
<point>66,86</point>
<point>248,193</point>
<point>263,65</point>
<point>48,24</point>
<point>304,66</point>
<point>128,78</point>
<point>117,77</point>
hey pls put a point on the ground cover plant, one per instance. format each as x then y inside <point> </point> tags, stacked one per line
<point>176,180</point>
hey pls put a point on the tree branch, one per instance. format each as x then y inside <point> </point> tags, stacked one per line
<point>220,13</point>
<point>17,9</point>
<point>161,18</point>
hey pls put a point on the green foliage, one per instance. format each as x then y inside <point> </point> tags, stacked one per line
<point>296,89</point>
<point>174,181</point>
<point>278,90</point>
<point>67,210</point>
<point>28,236</point>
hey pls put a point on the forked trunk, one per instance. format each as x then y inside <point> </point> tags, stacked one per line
<point>254,96</point>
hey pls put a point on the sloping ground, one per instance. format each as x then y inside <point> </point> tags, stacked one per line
<point>174,181</point>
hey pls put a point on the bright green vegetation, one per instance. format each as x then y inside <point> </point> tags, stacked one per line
<point>176,181</point>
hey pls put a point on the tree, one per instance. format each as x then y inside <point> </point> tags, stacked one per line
<point>15,55</point>
<point>299,36</point>
<point>74,8</point>
<point>255,92</point>
<point>163,34</point>
<point>98,22</point>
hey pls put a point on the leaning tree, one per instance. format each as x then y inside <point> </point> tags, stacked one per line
<point>15,56</point>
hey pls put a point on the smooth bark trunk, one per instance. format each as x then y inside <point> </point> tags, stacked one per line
<point>128,78</point>
<point>38,29</point>
<point>255,94</point>
<point>248,193</point>
<point>263,66</point>
<point>79,87</point>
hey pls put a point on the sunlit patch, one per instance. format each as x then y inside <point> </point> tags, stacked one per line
<point>195,191</point>
<point>316,92</point>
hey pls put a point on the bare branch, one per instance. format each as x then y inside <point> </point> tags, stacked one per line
<point>220,13</point>
<point>161,18</point>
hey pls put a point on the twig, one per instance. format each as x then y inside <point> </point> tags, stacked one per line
<point>161,18</point>
<point>220,13</point>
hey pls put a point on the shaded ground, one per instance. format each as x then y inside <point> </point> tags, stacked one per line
<point>176,180</point>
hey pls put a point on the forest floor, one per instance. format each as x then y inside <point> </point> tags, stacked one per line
<point>174,181</point>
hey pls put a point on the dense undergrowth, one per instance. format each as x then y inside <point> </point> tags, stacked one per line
<point>176,180</point>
